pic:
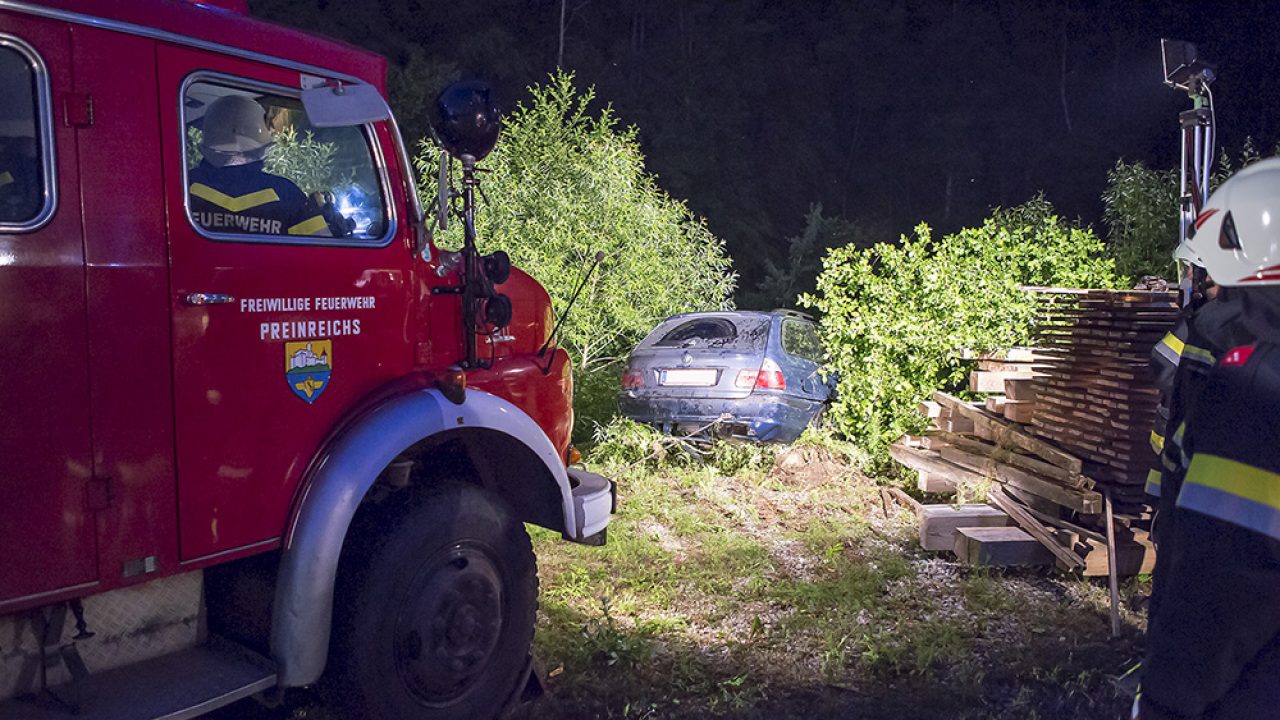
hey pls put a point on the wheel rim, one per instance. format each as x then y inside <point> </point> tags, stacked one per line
<point>450,624</point>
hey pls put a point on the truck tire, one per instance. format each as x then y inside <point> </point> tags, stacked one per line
<point>434,610</point>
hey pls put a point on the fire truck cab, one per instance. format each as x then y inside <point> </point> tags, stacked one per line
<point>258,432</point>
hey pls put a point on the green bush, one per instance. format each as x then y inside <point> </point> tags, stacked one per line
<point>563,184</point>
<point>894,315</point>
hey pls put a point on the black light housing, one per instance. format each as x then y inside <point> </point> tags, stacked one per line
<point>467,120</point>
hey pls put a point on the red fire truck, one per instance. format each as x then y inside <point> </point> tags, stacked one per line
<point>241,451</point>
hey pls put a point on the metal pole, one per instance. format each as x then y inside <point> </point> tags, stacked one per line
<point>470,262</point>
<point>1112,574</point>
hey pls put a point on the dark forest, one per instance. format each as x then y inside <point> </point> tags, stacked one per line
<point>886,112</point>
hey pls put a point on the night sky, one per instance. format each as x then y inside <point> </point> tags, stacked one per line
<point>886,112</point>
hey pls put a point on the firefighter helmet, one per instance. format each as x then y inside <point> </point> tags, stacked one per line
<point>234,126</point>
<point>1237,235</point>
<point>467,119</point>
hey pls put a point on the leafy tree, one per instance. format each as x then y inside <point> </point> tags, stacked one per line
<point>1140,208</point>
<point>565,183</point>
<point>894,315</point>
<point>783,284</point>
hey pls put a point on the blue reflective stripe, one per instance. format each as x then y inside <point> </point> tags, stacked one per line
<point>1153,483</point>
<point>1168,353</point>
<point>1230,508</point>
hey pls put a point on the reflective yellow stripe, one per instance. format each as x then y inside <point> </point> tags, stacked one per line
<point>1229,490</point>
<point>5,178</point>
<point>1157,442</point>
<point>1246,481</point>
<point>1174,343</point>
<point>1197,353</point>
<point>309,227</point>
<point>1179,433</point>
<point>234,204</point>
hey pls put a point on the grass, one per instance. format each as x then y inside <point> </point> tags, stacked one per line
<point>746,588</point>
<point>791,592</point>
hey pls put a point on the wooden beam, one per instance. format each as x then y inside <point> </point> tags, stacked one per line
<point>1024,520</point>
<point>1003,434</point>
<point>931,462</point>
<point>1011,457</point>
<point>1084,501</point>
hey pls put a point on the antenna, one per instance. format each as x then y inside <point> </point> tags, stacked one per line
<point>556,328</point>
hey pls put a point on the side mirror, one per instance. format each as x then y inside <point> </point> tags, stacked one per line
<point>467,119</point>
<point>344,105</point>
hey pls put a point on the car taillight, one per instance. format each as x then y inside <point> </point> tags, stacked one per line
<point>632,379</point>
<point>768,377</point>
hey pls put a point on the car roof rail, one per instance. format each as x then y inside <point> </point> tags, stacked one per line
<point>794,313</point>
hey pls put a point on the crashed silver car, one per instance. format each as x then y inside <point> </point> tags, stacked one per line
<point>744,374</point>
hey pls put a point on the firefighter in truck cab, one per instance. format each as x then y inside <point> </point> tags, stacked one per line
<point>1213,642</point>
<point>231,191</point>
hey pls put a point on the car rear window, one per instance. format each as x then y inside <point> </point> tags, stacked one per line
<point>743,334</point>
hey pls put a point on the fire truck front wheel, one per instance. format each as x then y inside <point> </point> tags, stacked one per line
<point>435,608</point>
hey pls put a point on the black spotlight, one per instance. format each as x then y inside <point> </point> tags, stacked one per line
<point>497,310</point>
<point>497,267</point>
<point>467,119</point>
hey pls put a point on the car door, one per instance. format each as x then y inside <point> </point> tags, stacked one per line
<point>280,325</point>
<point>801,353</point>
<point>46,518</point>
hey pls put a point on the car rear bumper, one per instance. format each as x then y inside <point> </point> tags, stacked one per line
<point>761,417</point>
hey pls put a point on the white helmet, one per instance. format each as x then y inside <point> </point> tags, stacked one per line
<point>1237,235</point>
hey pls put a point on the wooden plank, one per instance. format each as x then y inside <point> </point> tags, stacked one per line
<point>1025,520</point>
<point>941,439</point>
<point>930,409</point>
<point>1084,501</point>
<point>999,547</point>
<point>930,461</point>
<point>1005,435</point>
<point>993,382</point>
<point>1020,388</point>
<point>938,523</point>
<point>903,499</point>
<point>1006,366</point>
<point>1019,411</point>
<point>935,483</point>
<point>995,403</point>
<point>955,424</point>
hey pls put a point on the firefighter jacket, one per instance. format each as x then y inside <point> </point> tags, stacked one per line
<point>245,199</point>
<point>1180,363</point>
<point>1213,647</point>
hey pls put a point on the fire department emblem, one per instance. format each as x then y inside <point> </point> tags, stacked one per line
<point>307,367</point>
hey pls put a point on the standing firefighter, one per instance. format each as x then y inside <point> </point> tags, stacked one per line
<point>1214,638</point>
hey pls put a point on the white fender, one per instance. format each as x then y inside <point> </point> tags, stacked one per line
<point>303,608</point>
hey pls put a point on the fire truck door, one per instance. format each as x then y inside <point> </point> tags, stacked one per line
<point>289,291</point>
<point>46,519</point>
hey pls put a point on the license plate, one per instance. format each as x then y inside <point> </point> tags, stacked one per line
<point>690,377</point>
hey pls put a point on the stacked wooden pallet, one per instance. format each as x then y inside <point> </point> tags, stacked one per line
<point>1008,376</point>
<point>1040,489</point>
<point>1094,392</point>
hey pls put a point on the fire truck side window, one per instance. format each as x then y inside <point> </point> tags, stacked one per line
<point>257,167</point>
<point>25,191</point>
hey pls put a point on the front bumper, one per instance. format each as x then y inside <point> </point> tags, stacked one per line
<point>595,499</point>
<point>760,417</point>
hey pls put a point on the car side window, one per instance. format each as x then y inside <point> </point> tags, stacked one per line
<point>801,340</point>
<point>257,169</point>
<point>26,172</point>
